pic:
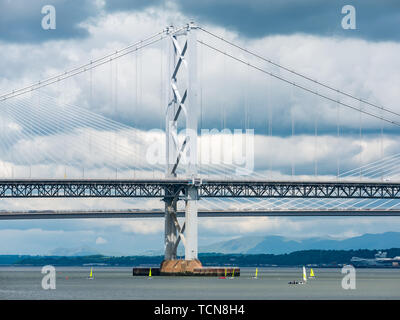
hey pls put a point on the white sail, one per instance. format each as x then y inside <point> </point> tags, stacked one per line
<point>304,274</point>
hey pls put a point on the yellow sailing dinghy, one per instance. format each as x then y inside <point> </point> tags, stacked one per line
<point>91,276</point>
<point>255,276</point>
<point>312,275</point>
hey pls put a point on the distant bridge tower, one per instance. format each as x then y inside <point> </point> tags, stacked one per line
<point>182,103</point>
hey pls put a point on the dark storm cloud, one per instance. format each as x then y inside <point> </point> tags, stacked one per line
<point>376,20</point>
<point>21,20</point>
<point>130,5</point>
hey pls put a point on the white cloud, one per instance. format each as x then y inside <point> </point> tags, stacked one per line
<point>137,226</point>
<point>40,240</point>
<point>101,240</point>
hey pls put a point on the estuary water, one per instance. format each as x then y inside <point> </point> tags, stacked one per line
<point>272,283</point>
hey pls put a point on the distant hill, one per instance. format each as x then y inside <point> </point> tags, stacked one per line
<point>81,252</point>
<point>280,245</point>
<point>322,258</point>
<point>73,252</point>
<point>11,259</point>
<point>238,245</point>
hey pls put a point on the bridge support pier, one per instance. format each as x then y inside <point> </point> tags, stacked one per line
<point>170,231</point>
<point>181,101</point>
<point>191,218</point>
<point>174,233</point>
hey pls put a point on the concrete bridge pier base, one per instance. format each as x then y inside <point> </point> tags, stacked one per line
<point>170,230</point>
<point>174,233</point>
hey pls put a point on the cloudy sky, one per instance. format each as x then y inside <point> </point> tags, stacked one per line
<point>101,122</point>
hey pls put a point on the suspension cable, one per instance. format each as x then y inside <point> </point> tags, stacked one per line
<point>300,74</point>
<point>69,74</point>
<point>300,86</point>
<point>92,64</point>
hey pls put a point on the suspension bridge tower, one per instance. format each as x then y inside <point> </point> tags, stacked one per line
<point>181,104</point>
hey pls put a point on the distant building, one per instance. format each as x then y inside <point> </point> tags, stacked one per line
<point>380,260</point>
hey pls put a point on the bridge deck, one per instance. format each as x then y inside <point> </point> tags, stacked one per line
<point>89,188</point>
<point>52,214</point>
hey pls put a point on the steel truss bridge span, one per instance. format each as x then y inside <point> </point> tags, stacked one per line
<point>172,188</point>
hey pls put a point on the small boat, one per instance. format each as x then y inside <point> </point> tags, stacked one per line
<point>91,276</point>
<point>256,274</point>
<point>300,282</point>
<point>304,274</point>
<point>150,273</point>
<point>233,274</point>
<point>312,275</point>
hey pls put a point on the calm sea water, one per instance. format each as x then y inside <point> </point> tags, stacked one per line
<point>272,283</point>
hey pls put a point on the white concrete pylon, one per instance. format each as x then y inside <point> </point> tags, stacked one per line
<point>191,218</point>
